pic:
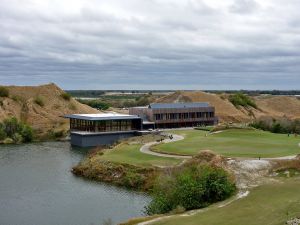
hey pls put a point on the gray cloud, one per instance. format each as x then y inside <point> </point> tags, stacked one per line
<point>153,44</point>
<point>244,6</point>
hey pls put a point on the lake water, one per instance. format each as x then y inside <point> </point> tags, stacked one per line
<point>38,188</point>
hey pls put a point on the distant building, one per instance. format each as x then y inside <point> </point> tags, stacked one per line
<point>87,130</point>
<point>176,115</point>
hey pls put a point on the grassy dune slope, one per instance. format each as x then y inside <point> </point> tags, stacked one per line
<point>234,143</point>
<point>21,103</point>
<point>278,106</point>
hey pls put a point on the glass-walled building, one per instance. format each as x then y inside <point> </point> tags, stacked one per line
<point>104,124</point>
<point>102,129</point>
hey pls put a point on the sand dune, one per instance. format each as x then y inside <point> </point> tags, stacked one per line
<point>21,104</point>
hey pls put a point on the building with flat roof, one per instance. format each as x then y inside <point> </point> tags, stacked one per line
<point>87,130</point>
<point>176,115</point>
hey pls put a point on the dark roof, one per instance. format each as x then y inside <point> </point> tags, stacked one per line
<point>178,105</point>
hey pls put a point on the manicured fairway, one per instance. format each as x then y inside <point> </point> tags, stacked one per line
<point>271,204</point>
<point>130,153</point>
<point>234,143</point>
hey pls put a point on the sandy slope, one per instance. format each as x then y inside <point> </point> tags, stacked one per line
<point>20,104</point>
<point>279,106</point>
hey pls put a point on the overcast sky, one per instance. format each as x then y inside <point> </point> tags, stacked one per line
<point>151,44</point>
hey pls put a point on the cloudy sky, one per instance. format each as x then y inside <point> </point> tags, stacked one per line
<point>151,44</point>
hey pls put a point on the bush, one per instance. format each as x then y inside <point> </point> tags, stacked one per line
<point>16,131</point>
<point>143,101</point>
<point>2,133</point>
<point>132,179</point>
<point>27,133</point>
<point>97,104</point>
<point>72,106</point>
<point>193,187</point>
<point>17,98</point>
<point>11,126</point>
<point>66,96</point>
<point>4,92</point>
<point>282,125</point>
<point>8,141</point>
<point>39,101</point>
<point>56,134</point>
<point>240,99</point>
<point>17,138</point>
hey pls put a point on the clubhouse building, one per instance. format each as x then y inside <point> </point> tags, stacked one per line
<point>176,115</point>
<point>87,130</point>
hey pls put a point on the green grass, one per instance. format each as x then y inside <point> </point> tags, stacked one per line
<point>270,204</point>
<point>130,154</point>
<point>233,143</point>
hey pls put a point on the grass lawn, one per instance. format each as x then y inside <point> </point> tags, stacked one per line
<point>130,153</point>
<point>234,143</point>
<point>271,204</point>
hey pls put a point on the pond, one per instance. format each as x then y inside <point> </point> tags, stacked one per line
<point>38,188</point>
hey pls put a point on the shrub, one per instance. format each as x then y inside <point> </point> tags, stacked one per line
<point>66,96</point>
<point>17,138</point>
<point>56,134</point>
<point>17,98</point>
<point>2,133</point>
<point>143,101</point>
<point>97,104</point>
<point>27,133</point>
<point>8,141</point>
<point>282,125</point>
<point>4,92</point>
<point>240,99</point>
<point>193,187</point>
<point>16,131</point>
<point>72,106</point>
<point>11,126</point>
<point>39,101</point>
<point>132,179</point>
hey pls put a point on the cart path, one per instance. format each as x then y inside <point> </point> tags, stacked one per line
<point>146,148</point>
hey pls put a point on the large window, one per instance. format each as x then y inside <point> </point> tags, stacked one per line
<point>158,116</point>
